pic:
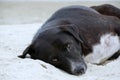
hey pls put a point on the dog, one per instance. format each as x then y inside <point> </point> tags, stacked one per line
<point>75,35</point>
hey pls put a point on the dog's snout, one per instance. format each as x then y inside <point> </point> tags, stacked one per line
<point>79,71</point>
<point>78,68</point>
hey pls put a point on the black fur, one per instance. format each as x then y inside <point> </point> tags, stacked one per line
<point>70,34</point>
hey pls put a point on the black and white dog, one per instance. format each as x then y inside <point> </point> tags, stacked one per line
<point>75,35</point>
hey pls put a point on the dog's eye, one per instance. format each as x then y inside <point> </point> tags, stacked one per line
<point>68,47</point>
<point>55,60</point>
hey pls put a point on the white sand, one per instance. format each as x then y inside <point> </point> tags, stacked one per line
<point>32,12</point>
<point>14,39</point>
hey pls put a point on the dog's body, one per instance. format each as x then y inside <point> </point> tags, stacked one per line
<point>74,32</point>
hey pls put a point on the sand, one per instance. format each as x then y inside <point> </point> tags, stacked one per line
<point>18,24</point>
<point>32,12</point>
<point>14,39</point>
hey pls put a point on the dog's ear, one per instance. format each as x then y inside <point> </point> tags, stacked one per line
<point>72,30</point>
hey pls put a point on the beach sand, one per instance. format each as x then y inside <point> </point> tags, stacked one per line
<point>15,38</point>
<point>32,12</point>
<point>19,22</point>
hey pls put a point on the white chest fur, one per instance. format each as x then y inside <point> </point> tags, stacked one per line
<point>109,44</point>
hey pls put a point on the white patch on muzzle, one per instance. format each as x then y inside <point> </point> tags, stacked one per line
<point>109,44</point>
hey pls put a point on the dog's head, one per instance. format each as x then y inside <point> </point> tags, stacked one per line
<point>61,47</point>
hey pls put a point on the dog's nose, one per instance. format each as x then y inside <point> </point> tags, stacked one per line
<point>78,68</point>
<point>79,71</point>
